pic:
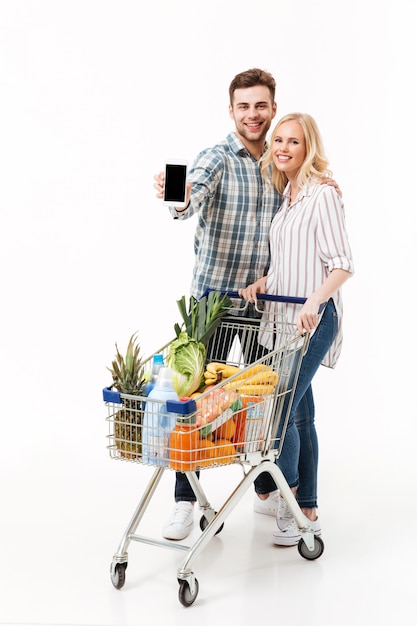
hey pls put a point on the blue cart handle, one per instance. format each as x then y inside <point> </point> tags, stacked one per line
<point>267,296</point>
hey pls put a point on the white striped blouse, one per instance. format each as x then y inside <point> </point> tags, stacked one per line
<point>308,239</point>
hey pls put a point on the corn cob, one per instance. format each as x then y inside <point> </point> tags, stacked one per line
<point>266,377</point>
<point>255,369</point>
<point>255,390</point>
<point>259,374</point>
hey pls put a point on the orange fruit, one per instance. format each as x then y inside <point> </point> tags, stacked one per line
<point>205,453</point>
<point>224,451</point>
<point>225,431</point>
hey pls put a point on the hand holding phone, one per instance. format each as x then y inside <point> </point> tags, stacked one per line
<point>175,190</point>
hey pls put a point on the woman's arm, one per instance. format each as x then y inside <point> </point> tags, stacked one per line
<point>308,317</point>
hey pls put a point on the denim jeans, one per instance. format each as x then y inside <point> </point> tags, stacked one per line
<point>298,460</point>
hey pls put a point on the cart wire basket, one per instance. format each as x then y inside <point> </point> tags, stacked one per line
<point>239,418</point>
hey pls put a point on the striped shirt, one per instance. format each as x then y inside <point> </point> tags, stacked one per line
<point>308,240</point>
<point>235,207</point>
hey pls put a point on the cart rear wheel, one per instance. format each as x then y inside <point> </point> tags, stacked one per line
<point>119,577</point>
<point>204,523</point>
<point>185,596</point>
<point>311,555</point>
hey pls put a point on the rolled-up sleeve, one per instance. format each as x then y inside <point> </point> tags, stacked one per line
<point>332,237</point>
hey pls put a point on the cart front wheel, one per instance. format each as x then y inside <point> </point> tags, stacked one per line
<point>204,523</point>
<point>119,577</point>
<point>311,555</point>
<point>184,593</point>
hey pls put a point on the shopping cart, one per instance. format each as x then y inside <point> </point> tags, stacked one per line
<point>240,419</point>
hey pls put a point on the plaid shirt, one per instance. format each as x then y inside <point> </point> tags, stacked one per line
<point>235,206</point>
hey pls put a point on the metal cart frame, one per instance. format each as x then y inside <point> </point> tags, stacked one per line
<point>254,457</point>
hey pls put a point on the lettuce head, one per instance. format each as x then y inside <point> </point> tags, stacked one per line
<point>186,358</point>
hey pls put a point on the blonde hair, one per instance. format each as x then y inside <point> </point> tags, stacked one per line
<point>315,164</point>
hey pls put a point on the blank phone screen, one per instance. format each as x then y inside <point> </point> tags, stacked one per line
<point>175,181</point>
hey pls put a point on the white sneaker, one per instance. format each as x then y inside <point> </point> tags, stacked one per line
<point>288,533</point>
<point>181,521</point>
<point>268,506</point>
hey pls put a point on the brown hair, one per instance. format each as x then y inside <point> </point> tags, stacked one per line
<point>252,78</point>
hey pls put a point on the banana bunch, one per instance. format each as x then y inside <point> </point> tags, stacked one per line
<point>216,372</point>
<point>258,380</point>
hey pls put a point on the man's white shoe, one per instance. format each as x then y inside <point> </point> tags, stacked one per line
<point>181,521</point>
<point>268,506</point>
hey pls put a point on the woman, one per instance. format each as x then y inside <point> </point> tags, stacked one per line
<point>310,258</point>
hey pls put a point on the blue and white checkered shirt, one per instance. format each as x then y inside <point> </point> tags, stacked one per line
<point>235,206</point>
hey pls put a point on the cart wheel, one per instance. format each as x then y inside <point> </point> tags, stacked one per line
<point>119,577</point>
<point>184,593</point>
<point>311,555</point>
<point>204,523</point>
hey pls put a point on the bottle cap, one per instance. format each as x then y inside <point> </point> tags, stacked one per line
<point>158,359</point>
<point>191,419</point>
<point>165,377</point>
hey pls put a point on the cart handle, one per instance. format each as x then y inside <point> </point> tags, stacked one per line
<point>267,296</point>
<point>183,407</point>
<point>111,396</point>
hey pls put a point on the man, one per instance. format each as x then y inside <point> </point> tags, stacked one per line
<point>235,208</point>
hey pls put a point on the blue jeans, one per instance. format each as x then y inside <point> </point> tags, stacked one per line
<point>298,460</point>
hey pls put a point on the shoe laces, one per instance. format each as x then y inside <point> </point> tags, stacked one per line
<point>274,495</point>
<point>290,527</point>
<point>284,515</point>
<point>181,513</point>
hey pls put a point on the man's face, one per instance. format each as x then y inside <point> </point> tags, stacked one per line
<point>252,112</point>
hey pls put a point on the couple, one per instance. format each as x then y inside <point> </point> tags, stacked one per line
<point>268,224</point>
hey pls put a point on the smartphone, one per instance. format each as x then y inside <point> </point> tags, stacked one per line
<point>175,182</point>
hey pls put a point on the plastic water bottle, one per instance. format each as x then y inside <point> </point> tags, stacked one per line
<point>157,422</point>
<point>157,363</point>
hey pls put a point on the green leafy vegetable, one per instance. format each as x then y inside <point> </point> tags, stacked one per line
<point>203,316</point>
<point>187,353</point>
<point>186,358</point>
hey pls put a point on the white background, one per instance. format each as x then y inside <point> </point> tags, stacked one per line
<point>94,95</point>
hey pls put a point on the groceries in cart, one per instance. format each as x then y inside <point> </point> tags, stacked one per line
<point>188,433</point>
<point>212,426</point>
<point>181,410</point>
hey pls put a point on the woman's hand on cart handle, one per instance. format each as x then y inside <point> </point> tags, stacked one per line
<point>308,317</point>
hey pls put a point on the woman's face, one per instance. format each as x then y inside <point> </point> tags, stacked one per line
<point>289,148</point>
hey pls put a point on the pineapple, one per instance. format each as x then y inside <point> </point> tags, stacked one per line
<point>128,378</point>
